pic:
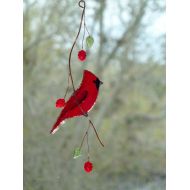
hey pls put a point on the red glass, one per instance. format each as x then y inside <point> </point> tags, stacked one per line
<point>82,55</point>
<point>60,103</point>
<point>86,96</point>
<point>88,166</point>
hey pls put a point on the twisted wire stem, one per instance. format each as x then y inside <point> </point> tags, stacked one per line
<point>82,5</point>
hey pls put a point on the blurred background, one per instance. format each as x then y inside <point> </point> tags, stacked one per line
<point>129,57</point>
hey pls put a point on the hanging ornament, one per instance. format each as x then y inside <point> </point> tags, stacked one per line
<point>81,101</point>
<point>84,97</point>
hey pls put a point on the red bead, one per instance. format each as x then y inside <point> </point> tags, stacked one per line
<point>82,55</point>
<point>88,166</point>
<point>60,103</point>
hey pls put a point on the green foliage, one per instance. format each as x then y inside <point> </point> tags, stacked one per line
<point>77,153</point>
<point>89,41</point>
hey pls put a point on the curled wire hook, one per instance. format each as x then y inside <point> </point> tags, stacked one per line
<point>82,6</point>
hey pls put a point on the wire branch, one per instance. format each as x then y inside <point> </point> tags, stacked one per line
<point>70,73</point>
<point>70,54</point>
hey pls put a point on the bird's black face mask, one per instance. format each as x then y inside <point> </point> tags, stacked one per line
<point>98,83</point>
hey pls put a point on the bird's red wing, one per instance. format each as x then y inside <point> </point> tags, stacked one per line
<point>68,111</point>
<point>76,100</point>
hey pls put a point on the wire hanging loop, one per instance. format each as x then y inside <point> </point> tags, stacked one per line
<point>82,4</point>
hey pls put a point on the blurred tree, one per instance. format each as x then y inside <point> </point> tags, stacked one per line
<point>130,111</point>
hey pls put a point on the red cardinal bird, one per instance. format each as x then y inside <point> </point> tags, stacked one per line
<point>81,101</point>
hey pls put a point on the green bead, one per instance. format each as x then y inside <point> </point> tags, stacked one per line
<point>89,41</point>
<point>77,153</point>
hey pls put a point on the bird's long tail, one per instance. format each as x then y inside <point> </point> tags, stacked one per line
<point>58,123</point>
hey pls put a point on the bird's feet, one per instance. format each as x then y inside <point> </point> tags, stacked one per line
<point>86,114</point>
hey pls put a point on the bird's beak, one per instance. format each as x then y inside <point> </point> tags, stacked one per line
<point>101,82</point>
